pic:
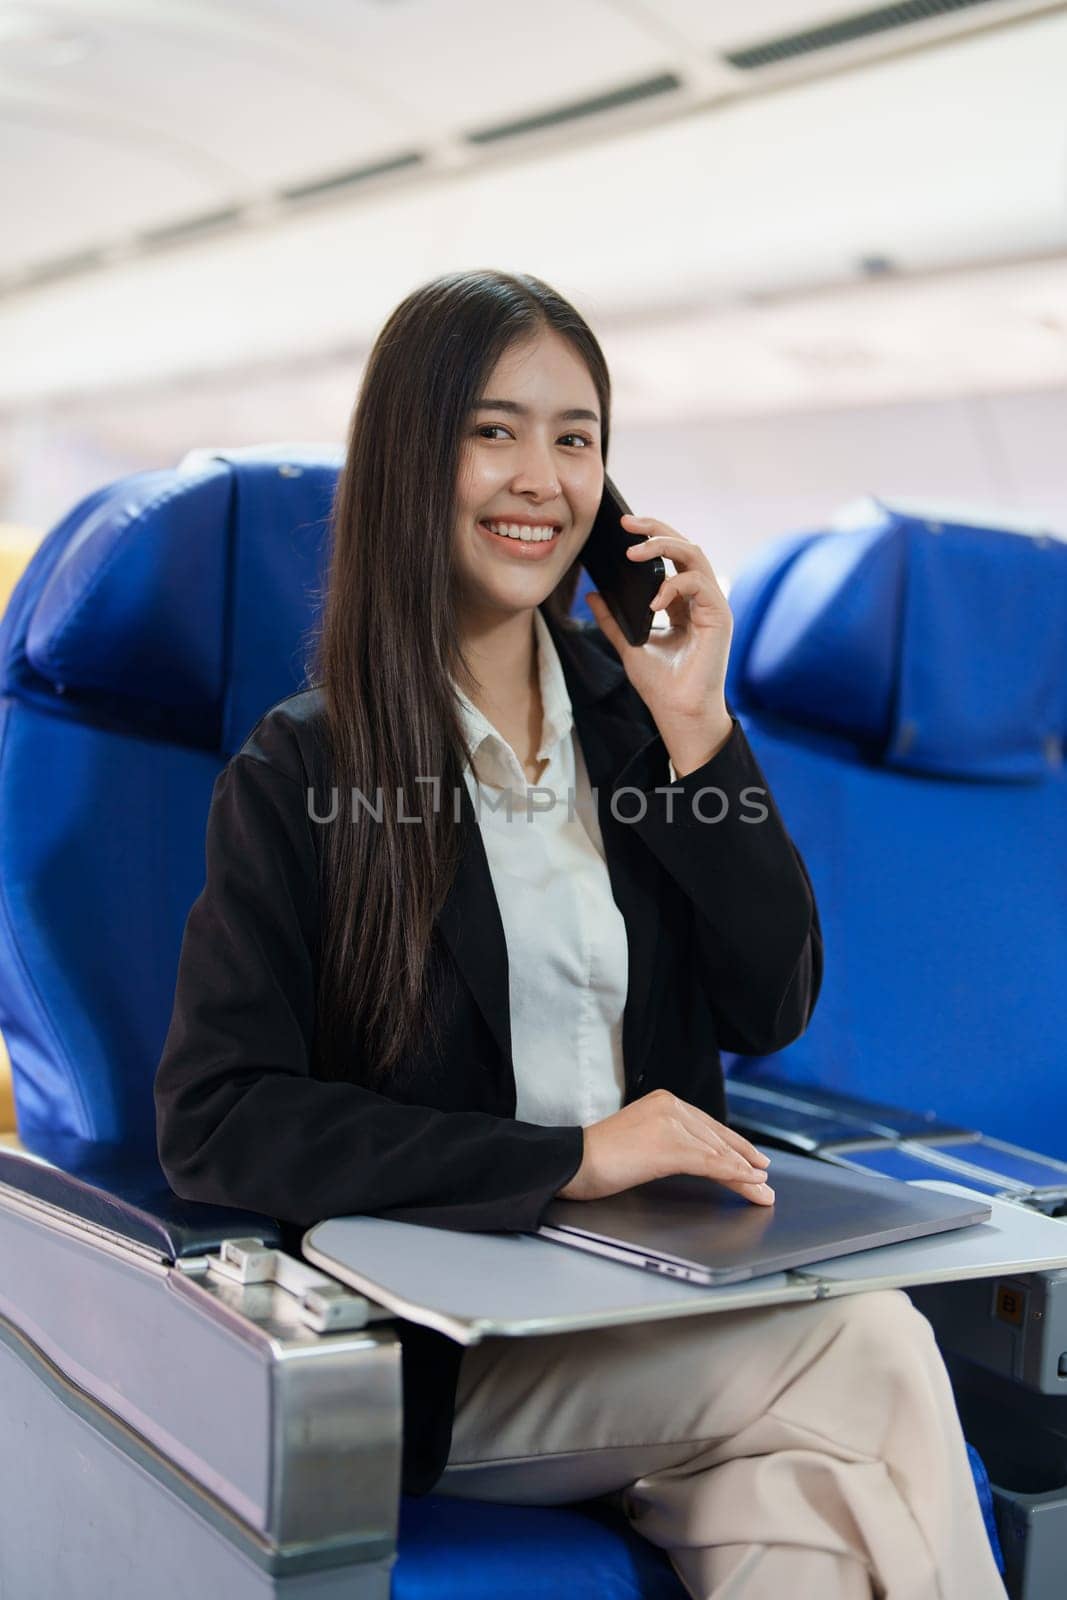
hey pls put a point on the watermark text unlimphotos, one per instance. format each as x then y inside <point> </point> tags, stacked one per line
<point>626,804</point>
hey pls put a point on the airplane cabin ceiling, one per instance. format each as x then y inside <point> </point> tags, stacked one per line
<point>273,176</point>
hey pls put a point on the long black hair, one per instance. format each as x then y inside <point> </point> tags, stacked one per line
<point>388,647</point>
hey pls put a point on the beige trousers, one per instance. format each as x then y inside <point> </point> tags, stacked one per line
<point>795,1452</point>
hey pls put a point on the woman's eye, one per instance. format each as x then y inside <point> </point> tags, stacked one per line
<point>498,427</point>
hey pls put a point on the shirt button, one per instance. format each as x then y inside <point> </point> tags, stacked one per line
<point>640,1078</point>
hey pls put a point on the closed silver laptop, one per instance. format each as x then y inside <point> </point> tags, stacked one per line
<point>694,1229</point>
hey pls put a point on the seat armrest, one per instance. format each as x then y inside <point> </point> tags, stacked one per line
<point>105,1187</point>
<point>808,1118</point>
<point>873,1137</point>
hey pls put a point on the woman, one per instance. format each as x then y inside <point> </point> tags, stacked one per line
<point>451,1009</point>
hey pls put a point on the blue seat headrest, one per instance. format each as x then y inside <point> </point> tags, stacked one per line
<point>178,604</point>
<point>937,646</point>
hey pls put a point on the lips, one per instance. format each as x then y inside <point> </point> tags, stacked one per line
<point>521,522</point>
<point>516,549</point>
<point>501,522</point>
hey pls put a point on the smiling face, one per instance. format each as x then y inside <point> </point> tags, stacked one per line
<point>531,459</point>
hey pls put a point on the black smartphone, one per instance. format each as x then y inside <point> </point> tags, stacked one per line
<point>627,586</point>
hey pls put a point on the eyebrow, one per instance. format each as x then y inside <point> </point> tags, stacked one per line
<point>576,415</point>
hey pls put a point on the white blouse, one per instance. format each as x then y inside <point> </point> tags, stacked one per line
<point>566,937</point>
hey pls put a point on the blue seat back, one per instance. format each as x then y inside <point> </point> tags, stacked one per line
<point>151,630</point>
<point>904,685</point>
<point>149,633</point>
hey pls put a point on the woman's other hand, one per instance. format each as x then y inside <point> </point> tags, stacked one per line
<point>659,1136</point>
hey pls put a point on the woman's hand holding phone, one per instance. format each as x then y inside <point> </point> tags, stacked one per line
<point>659,1136</point>
<point>680,671</point>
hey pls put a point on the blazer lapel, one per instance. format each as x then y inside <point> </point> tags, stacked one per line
<point>619,750</point>
<point>469,921</point>
<point>623,752</point>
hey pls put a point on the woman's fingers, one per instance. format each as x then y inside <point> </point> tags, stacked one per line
<point>663,536</point>
<point>725,1166</point>
<point>726,1163</point>
<point>691,565</point>
<point>730,1160</point>
<point>692,584</point>
<point>742,1146</point>
<point>760,1193</point>
<point>720,1137</point>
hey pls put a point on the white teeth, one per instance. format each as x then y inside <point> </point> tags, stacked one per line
<point>518,530</point>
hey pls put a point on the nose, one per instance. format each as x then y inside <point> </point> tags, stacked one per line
<point>536,474</point>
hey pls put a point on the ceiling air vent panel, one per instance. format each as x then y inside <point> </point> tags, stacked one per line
<point>844,30</point>
<point>627,95</point>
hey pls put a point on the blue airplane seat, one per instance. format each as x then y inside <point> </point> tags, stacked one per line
<point>472,1550</point>
<point>903,680</point>
<point>147,636</point>
<point>150,631</point>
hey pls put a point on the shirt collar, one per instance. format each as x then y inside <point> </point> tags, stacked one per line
<point>492,758</point>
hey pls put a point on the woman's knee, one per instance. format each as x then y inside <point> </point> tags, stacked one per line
<point>889,1310</point>
<point>876,1371</point>
<point>883,1332</point>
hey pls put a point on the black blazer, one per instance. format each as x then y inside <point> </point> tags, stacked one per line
<point>725,951</point>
